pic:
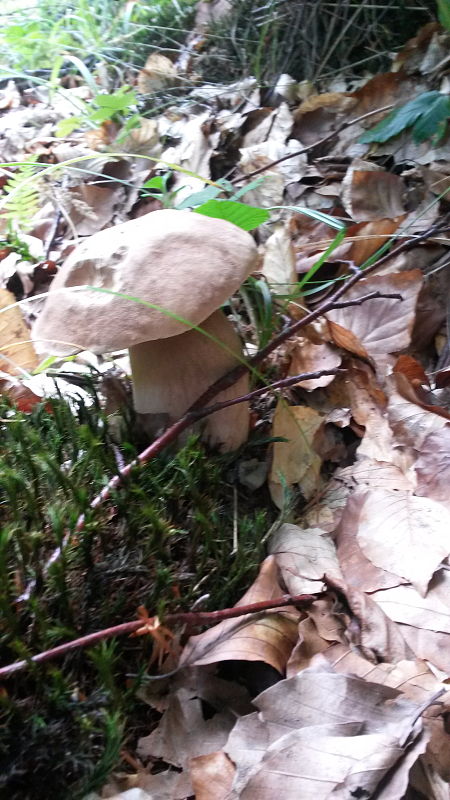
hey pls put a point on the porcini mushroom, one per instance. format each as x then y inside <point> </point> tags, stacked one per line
<point>186,265</point>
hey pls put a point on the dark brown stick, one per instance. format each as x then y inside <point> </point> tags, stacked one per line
<point>189,617</point>
<point>325,139</point>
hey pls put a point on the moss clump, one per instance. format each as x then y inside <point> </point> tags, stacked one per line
<point>164,540</point>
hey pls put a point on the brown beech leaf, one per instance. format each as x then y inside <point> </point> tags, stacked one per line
<point>383,325</point>
<point>183,732</point>
<point>403,534</point>
<point>320,734</point>
<point>410,419</point>
<point>371,193</point>
<point>304,556</point>
<point>269,636</point>
<point>433,467</point>
<point>357,568</point>
<point>212,776</point>
<point>16,349</point>
<point>309,357</point>
<point>423,622</point>
<point>294,461</point>
<point>367,238</point>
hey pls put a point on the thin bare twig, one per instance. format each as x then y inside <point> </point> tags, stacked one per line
<point>319,142</point>
<point>193,618</point>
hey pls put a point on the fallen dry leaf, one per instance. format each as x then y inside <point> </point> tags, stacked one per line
<point>157,74</point>
<point>380,326</point>
<point>370,193</point>
<point>309,357</point>
<point>212,776</point>
<point>268,637</point>
<point>278,265</point>
<point>320,734</point>
<point>16,350</point>
<point>433,467</point>
<point>404,534</point>
<point>184,732</point>
<point>294,461</point>
<point>304,556</point>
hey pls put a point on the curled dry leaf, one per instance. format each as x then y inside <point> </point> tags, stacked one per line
<point>382,325</point>
<point>16,350</point>
<point>294,461</point>
<point>304,556</point>
<point>212,776</point>
<point>309,357</point>
<point>278,265</point>
<point>184,732</point>
<point>410,419</point>
<point>370,193</point>
<point>268,637</point>
<point>157,74</point>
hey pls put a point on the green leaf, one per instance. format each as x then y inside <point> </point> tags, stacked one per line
<point>246,217</point>
<point>66,126</point>
<point>401,118</point>
<point>155,183</point>
<point>434,122</point>
<point>199,198</point>
<point>444,13</point>
<point>121,100</point>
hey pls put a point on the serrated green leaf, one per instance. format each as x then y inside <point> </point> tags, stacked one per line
<point>431,123</point>
<point>444,13</point>
<point>245,217</point>
<point>400,119</point>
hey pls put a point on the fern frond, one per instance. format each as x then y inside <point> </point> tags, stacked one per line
<point>22,200</point>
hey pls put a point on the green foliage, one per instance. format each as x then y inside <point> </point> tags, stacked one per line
<point>116,32</point>
<point>444,13</point>
<point>23,198</point>
<point>427,116</point>
<point>246,217</point>
<point>103,107</point>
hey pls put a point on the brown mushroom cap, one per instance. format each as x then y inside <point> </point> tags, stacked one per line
<point>179,261</point>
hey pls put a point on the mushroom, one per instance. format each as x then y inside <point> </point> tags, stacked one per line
<point>184,264</point>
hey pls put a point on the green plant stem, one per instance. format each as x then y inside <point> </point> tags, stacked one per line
<point>193,618</point>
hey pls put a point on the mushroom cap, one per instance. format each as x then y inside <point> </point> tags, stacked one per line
<point>181,262</point>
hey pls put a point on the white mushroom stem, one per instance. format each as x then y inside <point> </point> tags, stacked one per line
<point>170,374</point>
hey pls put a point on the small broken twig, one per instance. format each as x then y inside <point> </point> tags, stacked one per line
<point>195,618</point>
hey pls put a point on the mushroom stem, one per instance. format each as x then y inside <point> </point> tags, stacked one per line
<point>169,374</point>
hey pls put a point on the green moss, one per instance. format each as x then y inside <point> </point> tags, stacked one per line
<point>163,540</point>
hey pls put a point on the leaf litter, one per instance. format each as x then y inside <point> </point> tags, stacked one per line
<point>354,697</point>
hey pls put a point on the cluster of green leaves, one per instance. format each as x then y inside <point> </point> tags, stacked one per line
<point>426,115</point>
<point>116,107</point>
<point>168,529</point>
